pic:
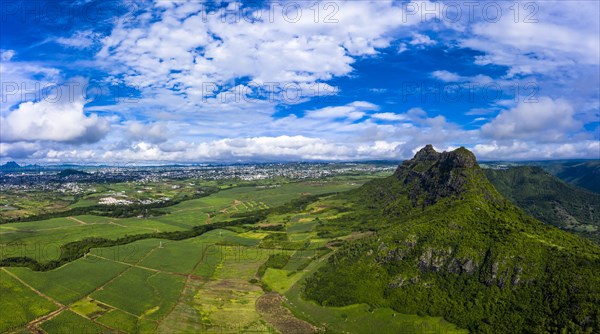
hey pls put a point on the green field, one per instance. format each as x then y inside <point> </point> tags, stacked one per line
<point>72,281</point>
<point>208,283</point>
<point>19,304</point>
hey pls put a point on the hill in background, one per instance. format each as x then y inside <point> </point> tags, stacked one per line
<point>72,172</point>
<point>582,174</point>
<point>549,199</point>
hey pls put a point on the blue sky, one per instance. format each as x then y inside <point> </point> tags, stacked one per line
<point>147,82</point>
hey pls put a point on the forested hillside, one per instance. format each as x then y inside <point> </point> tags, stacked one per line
<point>450,245</point>
<point>549,199</point>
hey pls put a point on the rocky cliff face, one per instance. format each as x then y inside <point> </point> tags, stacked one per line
<point>431,176</point>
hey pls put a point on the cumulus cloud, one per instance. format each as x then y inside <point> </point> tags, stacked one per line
<point>187,47</point>
<point>523,150</point>
<point>546,120</point>
<point>20,150</point>
<point>235,149</point>
<point>388,116</point>
<point>421,40</point>
<point>564,34</point>
<point>20,79</point>
<point>154,133</point>
<point>265,148</point>
<point>57,122</point>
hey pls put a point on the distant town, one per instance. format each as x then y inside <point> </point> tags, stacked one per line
<point>76,179</point>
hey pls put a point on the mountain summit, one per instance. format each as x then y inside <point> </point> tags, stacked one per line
<point>431,175</point>
<point>459,158</point>
<point>448,244</point>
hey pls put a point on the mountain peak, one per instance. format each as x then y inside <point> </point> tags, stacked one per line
<point>431,175</point>
<point>459,158</point>
<point>427,153</point>
<point>10,166</point>
<point>428,156</point>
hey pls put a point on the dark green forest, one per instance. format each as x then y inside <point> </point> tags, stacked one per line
<point>549,199</point>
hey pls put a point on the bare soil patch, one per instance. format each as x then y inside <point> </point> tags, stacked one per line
<point>270,306</point>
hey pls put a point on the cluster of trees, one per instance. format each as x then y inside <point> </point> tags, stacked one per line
<point>275,261</point>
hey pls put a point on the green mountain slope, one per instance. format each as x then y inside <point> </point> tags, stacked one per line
<point>451,245</point>
<point>583,174</point>
<point>549,199</point>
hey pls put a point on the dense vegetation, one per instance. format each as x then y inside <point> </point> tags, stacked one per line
<point>584,174</point>
<point>448,244</point>
<point>549,199</point>
<point>275,261</point>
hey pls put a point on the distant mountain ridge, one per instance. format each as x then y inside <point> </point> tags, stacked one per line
<point>584,174</point>
<point>549,199</point>
<point>448,244</point>
<point>581,173</point>
<point>10,166</point>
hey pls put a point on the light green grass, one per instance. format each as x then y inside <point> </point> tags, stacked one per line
<point>142,292</point>
<point>120,321</point>
<point>19,304</point>
<point>44,244</point>
<point>280,280</point>
<point>89,308</point>
<point>68,322</point>
<point>72,281</point>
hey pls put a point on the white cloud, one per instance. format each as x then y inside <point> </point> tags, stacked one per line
<point>546,120</point>
<point>80,40</point>
<point>388,116</point>
<point>7,55</point>
<point>154,133</point>
<point>47,121</point>
<point>19,150</point>
<point>402,48</point>
<point>234,149</point>
<point>421,40</point>
<point>522,150</point>
<point>353,111</point>
<point>185,48</point>
<point>446,76</point>
<point>24,80</point>
<point>565,34</point>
